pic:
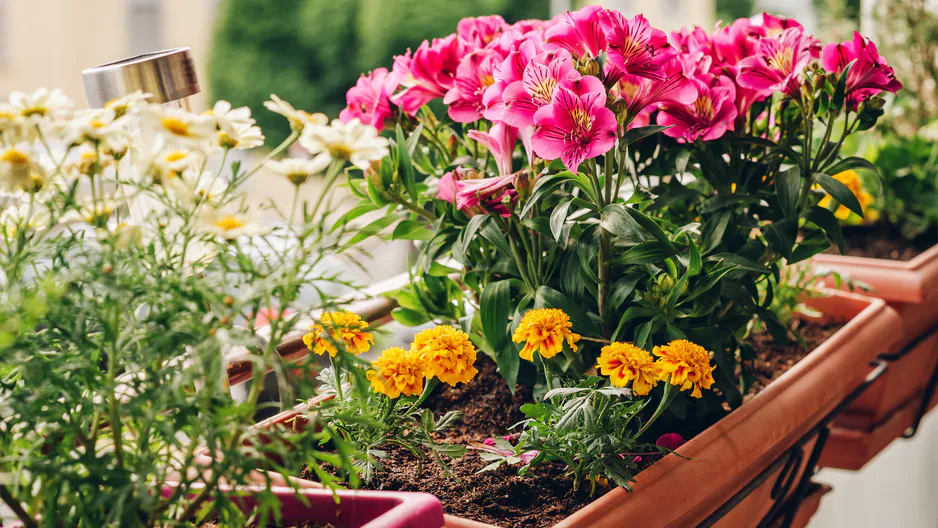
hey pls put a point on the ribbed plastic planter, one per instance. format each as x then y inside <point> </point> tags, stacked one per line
<point>911,288</point>
<point>719,462</point>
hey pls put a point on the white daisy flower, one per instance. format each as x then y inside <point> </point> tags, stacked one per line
<point>20,169</point>
<point>128,103</point>
<point>95,126</point>
<point>192,187</point>
<point>40,104</point>
<point>178,126</point>
<point>240,136</point>
<point>230,225</point>
<point>298,118</point>
<point>298,170</point>
<point>20,216</point>
<point>14,128</point>
<point>354,141</point>
<point>227,117</point>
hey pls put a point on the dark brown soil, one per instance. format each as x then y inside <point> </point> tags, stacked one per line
<point>885,242</point>
<point>545,495</point>
<point>773,359</point>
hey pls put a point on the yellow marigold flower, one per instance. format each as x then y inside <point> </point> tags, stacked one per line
<point>397,372</point>
<point>851,179</point>
<point>544,330</point>
<point>346,327</point>
<point>687,364</point>
<point>624,362</point>
<point>447,354</point>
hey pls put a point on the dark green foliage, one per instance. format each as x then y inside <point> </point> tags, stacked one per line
<point>310,52</point>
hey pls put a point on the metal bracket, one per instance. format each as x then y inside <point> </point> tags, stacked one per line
<point>787,465</point>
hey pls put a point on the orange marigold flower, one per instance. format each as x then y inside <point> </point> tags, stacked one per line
<point>345,327</point>
<point>544,330</point>
<point>851,179</point>
<point>397,371</point>
<point>687,364</point>
<point>447,354</point>
<point>624,362</point>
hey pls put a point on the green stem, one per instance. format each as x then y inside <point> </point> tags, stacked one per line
<point>337,375</point>
<point>547,377</point>
<point>331,175</point>
<point>291,139</point>
<point>427,389</point>
<point>666,398</point>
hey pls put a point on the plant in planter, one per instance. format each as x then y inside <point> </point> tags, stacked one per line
<point>117,331</point>
<point>579,227</point>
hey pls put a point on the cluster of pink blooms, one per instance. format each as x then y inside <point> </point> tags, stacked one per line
<point>537,82</point>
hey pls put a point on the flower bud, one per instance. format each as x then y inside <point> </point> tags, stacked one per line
<point>589,67</point>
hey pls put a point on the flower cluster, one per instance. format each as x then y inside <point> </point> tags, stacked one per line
<point>339,327</point>
<point>442,352</point>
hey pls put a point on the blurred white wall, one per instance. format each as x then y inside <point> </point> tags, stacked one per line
<point>47,43</point>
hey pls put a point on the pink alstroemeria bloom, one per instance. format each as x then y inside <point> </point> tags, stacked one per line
<point>491,194</point>
<point>479,32</point>
<point>500,141</point>
<point>868,76</point>
<point>446,187</point>
<point>640,92</point>
<point>369,99</point>
<point>581,33</point>
<point>775,26</point>
<point>509,71</point>
<point>536,88</point>
<point>779,63</point>
<point>708,117</point>
<point>737,41</point>
<point>635,47</point>
<point>473,77</point>
<point>691,40</point>
<point>429,74</point>
<point>574,127</point>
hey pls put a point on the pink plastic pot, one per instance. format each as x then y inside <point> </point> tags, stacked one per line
<point>911,288</point>
<point>354,509</point>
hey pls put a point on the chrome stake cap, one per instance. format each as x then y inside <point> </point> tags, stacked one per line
<point>167,75</point>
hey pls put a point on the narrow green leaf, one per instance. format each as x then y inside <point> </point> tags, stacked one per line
<point>353,213</point>
<point>495,309</point>
<point>557,217</point>
<point>651,226</point>
<point>839,192</point>
<point>826,220</point>
<point>616,220</point>
<point>408,317</point>
<point>620,292</point>
<point>840,91</point>
<point>787,187</point>
<point>547,297</point>
<point>496,237</point>
<point>470,232</point>
<point>650,252</point>
<point>412,230</point>
<point>638,133</point>
<point>852,162</point>
<point>370,230</point>
<point>405,168</point>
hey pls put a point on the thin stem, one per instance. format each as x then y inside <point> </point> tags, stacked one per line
<point>666,399</point>
<point>291,139</point>
<point>427,389</point>
<point>14,505</point>
<point>547,377</point>
<point>331,175</point>
<point>337,376</point>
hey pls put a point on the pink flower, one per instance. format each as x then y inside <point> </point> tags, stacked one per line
<point>446,187</point>
<point>775,26</point>
<point>500,141</point>
<point>868,76</point>
<point>581,33</point>
<point>369,99</point>
<point>670,441</point>
<point>708,118</point>
<point>491,194</point>
<point>429,74</point>
<point>489,445</point>
<point>576,126</point>
<point>778,63</point>
<point>737,41</point>
<point>474,75</point>
<point>510,70</point>
<point>640,92</point>
<point>541,77</point>
<point>635,47</point>
<point>690,40</point>
<point>479,32</point>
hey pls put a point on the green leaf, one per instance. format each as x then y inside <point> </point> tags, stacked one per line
<point>839,192</point>
<point>414,139</point>
<point>495,309</point>
<point>649,252</point>
<point>852,162</point>
<point>547,297</point>
<point>370,230</point>
<point>405,168</point>
<point>826,220</point>
<point>787,187</point>
<point>546,185</point>
<point>632,312</point>
<point>651,226</point>
<point>713,230</point>
<point>470,232</point>
<point>439,270</point>
<point>557,217</point>
<point>781,236</point>
<point>643,332</point>
<point>409,317</point>
<point>638,133</point>
<point>620,292</point>
<point>616,220</point>
<point>694,263</point>
<point>496,237</point>
<point>740,262</point>
<point>680,163</point>
<point>353,213</point>
<point>412,230</point>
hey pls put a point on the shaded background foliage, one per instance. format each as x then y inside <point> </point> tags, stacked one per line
<point>311,51</point>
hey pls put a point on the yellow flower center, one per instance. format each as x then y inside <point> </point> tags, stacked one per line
<point>176,156</point>
<point>34,110</point>
<point>97,123</point>
<point>783,61</point>
<point>226,141</point>
<point>704,107</point>
<point>543,90</point>
<point>7,116</point>
<point>15,157</point>
<point>229,222</point>
<point>175,126</point>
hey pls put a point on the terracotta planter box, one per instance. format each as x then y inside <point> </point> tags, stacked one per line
<point>728,455</point>
<point>355,509</point>
<point>810,505</point>
<point>911,288</point>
